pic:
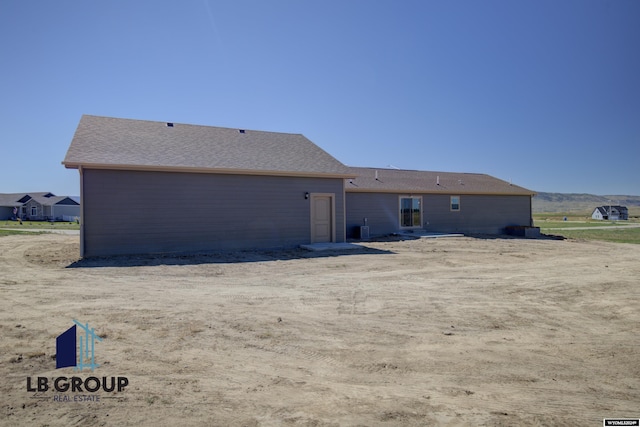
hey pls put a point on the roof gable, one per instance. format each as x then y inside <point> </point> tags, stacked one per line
<point>64,200</point>
<point>45,199</point>
<point>612,208</point>
<point>136,144</point>
<point>407,181</point>
<point>601,210</point>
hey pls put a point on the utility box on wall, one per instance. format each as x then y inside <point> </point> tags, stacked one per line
<point>364,232</point>
<point>523,231</point>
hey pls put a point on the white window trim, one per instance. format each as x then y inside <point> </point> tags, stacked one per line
<point>408,196</point>
<point>451,204</point>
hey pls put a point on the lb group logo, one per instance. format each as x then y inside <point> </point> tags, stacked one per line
<point>76,348</point>
<point>68,353</point>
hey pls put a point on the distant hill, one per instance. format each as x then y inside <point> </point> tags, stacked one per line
<point>581,203</point>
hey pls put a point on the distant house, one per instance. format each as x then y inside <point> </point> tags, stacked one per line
<point>153,187</point>
<point>611,213</point>
<point>38,207</point>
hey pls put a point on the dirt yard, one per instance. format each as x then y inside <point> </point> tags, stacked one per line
<point>451,331</point>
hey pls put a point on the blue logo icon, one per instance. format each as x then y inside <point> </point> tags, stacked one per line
<point>69,353</point>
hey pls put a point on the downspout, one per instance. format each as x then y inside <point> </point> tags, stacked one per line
<point>531,210</point>
<point>81,212</point>
<point>344,211</point>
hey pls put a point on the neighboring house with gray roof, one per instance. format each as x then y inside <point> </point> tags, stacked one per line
<point>611,213</point>
<point>395,201</point>
<point>38,206</point>
<point>168,187</point>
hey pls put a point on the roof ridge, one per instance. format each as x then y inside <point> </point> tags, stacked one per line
<point>191,124</point>
<point>111,142</point>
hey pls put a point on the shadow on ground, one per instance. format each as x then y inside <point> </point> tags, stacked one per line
<point>221,257</point>
<point>244,256</point>
<point>509,237</point>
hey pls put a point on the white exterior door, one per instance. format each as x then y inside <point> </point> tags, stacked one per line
<point>322,218</point>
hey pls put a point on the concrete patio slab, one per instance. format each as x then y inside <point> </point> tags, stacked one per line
<point>429,235</point>
<point>331,246</point>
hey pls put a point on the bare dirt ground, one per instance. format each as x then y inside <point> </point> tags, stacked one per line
<point>457,331</point>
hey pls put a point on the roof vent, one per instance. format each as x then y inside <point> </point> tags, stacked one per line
<point>169,125</point>
<point>241,130</point>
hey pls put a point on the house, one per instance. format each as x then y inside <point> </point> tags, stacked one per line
<point>395,201</point>
<point>166,187</point>
<point>153,187</point>
<point>38,207</point>
<point>611,213</point>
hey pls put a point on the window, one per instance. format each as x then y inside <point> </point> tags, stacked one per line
<point>410,211</point>
<point>455,203</point>
<point>34,211</point>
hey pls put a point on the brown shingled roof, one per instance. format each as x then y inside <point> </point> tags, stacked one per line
<point>407,181</point>
<point>105,142</point>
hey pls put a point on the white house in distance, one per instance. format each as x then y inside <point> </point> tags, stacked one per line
<point>38,206</point>
<point>610,213</point>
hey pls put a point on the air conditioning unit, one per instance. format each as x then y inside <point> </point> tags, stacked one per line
<point>364,232</point>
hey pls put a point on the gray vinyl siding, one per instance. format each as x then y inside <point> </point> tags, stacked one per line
<point>380,209</point>
<point>130,212</point>
<point>6,212</point>
<point>487,214</point>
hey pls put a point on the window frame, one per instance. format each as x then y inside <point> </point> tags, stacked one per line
<point>401,214</point>
<point>451,204</point>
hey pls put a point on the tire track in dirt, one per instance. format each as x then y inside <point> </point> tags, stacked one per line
<point>482,340</point>
<point>12,255</point>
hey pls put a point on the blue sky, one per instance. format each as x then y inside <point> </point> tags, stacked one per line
<point>543,93</point>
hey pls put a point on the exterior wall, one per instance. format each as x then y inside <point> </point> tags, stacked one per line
<point>39,216</point>
<point>62,210</point>
<point>478,214</point>
<point>45,212</point>
<point>6,212</point>
<point>486,214</point>
<point>382,211</point>
<point>129,212</point>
